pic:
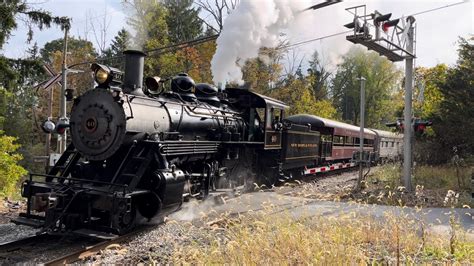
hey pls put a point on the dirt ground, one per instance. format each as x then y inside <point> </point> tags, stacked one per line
<point>10,209</point>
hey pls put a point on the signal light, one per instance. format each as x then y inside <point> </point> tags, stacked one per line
<point>380,18</point>
<point>62,125</point>
<point>390,23</point>
<point>420,126</point>
<point>355,24</point>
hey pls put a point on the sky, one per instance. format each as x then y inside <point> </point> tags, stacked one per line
<point>437,31</point>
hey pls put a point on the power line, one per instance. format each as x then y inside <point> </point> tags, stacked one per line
<point>174,47</point>
<point>314,39</point>
<point>438,8</point>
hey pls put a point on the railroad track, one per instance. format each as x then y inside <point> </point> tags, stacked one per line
<point>28,248</point>
<point>91,250</point>
<point>64,249</point>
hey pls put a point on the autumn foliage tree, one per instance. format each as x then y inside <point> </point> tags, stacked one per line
<point>382,83</point>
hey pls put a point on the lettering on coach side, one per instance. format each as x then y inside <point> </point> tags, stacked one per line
<point>303,145</point>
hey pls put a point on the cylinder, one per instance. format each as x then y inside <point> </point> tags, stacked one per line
<point>133,76</point>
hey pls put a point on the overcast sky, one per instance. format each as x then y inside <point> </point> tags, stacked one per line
<point>437,31</point>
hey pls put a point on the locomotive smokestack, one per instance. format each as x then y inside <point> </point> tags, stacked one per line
<point>133,77</point>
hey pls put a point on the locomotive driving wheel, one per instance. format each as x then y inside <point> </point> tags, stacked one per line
<point>124,220</point>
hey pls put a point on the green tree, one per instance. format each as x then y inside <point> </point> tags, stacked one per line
<point>183,20</point>
<point>454,121</point>
<point>112,55</point>
<point>13,10</point>
<point>120,43</point>
<point>318,77</point>
<point>382,82</point>
<point>10,171</point>
<point>428,81</point>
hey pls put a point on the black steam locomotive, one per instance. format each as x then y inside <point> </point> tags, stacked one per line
<point>137,150</point>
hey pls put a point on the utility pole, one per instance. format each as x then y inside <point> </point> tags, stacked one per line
<point>408,128</point>
<point>62,111</point>
<point>361,134</point>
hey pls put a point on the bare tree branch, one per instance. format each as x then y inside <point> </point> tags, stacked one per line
<point>217,9</point>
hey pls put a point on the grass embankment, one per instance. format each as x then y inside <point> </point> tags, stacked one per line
<point>434,186</point>
<point>346,239</point>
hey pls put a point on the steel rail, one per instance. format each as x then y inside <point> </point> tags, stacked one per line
<point>94,249</point>
<point>17,244</point>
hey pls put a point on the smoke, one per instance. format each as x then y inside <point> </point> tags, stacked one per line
<point>254,24</point>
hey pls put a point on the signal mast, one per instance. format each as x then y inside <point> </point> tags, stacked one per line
<point>397,43</point>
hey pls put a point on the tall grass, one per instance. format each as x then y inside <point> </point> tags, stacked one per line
<point>345,239</point>
<point>443,185</point>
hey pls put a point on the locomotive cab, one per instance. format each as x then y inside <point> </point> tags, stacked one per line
<point>263,114</point>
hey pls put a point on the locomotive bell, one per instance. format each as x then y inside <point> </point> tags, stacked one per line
<point>133,78</point>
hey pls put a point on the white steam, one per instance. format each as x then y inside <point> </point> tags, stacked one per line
<point>252,25</point>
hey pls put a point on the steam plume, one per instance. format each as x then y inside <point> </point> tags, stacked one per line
<point>252,25</point>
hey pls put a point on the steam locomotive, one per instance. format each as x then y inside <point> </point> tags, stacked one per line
<point>137,150</point>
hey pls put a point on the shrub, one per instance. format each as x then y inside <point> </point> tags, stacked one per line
<point>10,171</point>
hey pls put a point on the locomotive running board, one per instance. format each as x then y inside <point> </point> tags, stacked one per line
<point>324,169</point>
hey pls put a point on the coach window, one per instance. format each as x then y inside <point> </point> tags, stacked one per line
<point>393,144</point>
<point>338,140</point>
<point>349,141</point>
<point>367,142</point>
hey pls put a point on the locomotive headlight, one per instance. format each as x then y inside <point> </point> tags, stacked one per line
<point>106,76</point>
<point>101,76</point>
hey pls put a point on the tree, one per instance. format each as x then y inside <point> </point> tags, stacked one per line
<point>297,93</point>
<point>151,32</point>
<point>12,10</point>
<point>10,171</point>
<point>183,20</point>
<point>427,93</point>
<point>73,44</point>
<point>453,123</point>
<point>319,77</point>
<point>218,10</point>
<point>120,43</point>
<point>382,81</point>
<point>262,74</point>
